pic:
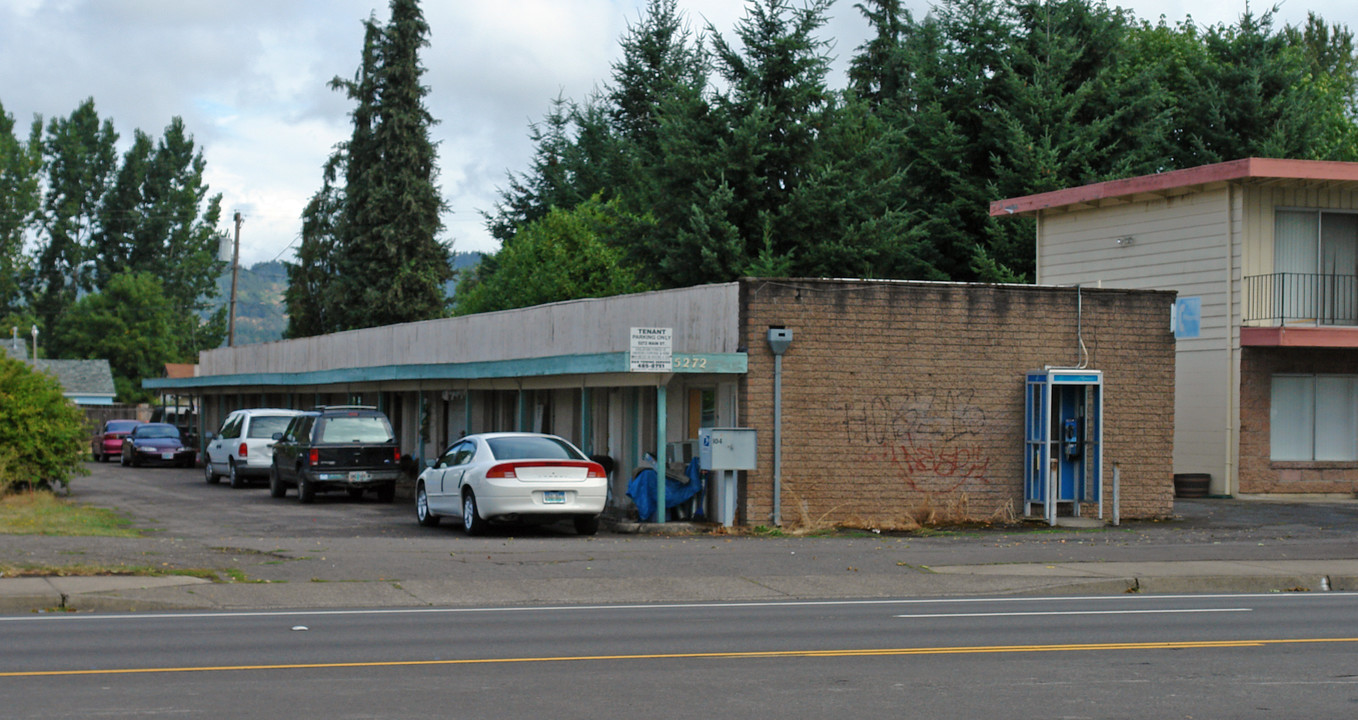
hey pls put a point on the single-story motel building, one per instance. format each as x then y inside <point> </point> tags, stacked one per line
<point>889,398</point>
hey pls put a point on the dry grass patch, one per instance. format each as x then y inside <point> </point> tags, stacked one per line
<point>37,512</point>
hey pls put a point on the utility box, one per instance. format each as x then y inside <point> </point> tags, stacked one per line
<point>726,448</point>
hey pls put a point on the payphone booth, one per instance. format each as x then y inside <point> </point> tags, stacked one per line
<point>1063,420</point>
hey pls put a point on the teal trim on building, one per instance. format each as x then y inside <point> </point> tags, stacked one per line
<point>692,363</point>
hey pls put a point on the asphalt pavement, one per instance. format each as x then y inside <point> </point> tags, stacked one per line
<point>265,553</point>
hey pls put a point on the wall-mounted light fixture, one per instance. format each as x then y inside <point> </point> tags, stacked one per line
<point>1126,241</point>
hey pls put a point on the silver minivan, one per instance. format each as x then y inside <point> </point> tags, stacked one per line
<point>240,449</point>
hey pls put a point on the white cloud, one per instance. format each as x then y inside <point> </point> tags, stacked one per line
<point>250,80</point>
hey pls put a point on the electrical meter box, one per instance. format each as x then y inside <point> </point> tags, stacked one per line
<point>726,448</point>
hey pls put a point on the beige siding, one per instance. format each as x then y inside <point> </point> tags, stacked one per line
<point>1177,244</point>
<point>704,320</point>
<point>1261,203</point>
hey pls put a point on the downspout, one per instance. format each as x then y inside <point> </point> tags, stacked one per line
<point>1230,484</point>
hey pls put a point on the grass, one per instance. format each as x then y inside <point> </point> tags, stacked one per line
<point>88,570</point>
<point>42,513</point>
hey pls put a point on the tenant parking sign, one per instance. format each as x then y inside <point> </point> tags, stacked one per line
<point>652,350</point>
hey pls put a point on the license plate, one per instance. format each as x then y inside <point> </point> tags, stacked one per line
<point>167,456</point>
<point>554,497</point>
<point>358,476</point>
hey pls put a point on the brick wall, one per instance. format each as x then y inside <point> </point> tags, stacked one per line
<point>898,395</point>
<point>1260,474</point>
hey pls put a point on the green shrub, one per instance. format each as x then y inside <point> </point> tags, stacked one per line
<point>42,435</point>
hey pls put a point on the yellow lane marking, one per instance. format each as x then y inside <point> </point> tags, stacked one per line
<point>865,652</point>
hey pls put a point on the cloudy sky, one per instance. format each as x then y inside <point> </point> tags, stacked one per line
<point>249,78</point>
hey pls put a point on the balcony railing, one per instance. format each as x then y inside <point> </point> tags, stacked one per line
<point>1301,299</point>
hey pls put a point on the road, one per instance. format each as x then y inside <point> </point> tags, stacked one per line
<point>1236,656</point>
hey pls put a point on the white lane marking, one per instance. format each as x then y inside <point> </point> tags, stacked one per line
<point>73,617</point>
<point>1077,612</point>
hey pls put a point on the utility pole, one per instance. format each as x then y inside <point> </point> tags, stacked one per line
<point>235,270</point>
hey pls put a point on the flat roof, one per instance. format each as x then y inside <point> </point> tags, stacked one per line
<point>1179,182</point>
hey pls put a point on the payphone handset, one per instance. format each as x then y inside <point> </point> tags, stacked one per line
<point>1070,438</point>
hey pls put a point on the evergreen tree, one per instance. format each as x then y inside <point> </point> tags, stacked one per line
<point>81,160</point>
<point>20,198</point>
<point>157,218</point>
<point>311,306</point>
<point>561,256</point>
<point>392,267</point>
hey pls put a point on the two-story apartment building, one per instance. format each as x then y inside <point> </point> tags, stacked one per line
<point>1264,256</point>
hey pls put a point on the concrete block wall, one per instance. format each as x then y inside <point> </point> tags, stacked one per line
<point>1260,474</point>
<point>904,395</point>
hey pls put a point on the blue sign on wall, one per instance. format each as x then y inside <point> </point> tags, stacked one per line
<point>1187,317</point>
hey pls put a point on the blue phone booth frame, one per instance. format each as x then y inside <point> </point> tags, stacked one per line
<point>1063,463</point>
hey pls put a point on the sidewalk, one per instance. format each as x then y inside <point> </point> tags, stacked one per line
<point>114,593</point>
<point>1210,546</point>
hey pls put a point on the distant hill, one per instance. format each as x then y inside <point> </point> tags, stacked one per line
<point>260,314</point>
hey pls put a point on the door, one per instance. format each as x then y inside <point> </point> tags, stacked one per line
<point>219,450</point>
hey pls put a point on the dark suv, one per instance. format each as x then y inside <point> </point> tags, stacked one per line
<point>336,448</point>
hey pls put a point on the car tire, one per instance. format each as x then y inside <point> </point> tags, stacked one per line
<point>355,494</point>
<point>135,461</point>
<point>276,487</point>
<point>422,514</point>
<point>237,482</point>
<point>306,490</point>
<point>209,474</point>
<point>386,493</point>
<point>98,457</point>
<point>586,524</point>
<point>472,524</point>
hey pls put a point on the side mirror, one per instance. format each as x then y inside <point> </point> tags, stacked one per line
<point>277,436</point>
<point>208,437</point>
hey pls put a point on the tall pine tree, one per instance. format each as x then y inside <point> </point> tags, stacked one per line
<point>392,266</point>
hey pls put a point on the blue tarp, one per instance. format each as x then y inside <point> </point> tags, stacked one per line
<point>641,488</point>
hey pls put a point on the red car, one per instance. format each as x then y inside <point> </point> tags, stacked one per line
<point>108,444</point>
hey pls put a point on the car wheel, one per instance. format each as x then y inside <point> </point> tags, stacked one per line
<point>135,461</point>
<point>586,524</point>
<point>276,487</point>
<point>209,474</point>
<point>237,482</point>
<point>306,490</point>
<point>355,493</point>
<point>386,493</point>
<point>472,523</point>
<point>422,513</point>
<point>98,457</point>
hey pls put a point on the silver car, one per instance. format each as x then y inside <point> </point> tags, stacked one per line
<point>240,449</point>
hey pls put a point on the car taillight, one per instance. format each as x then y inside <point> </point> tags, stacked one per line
<point>244,450</point>
<point>501,472</point>
<point>397,453</point>
<point>314,457</point>
<point>596,471</point>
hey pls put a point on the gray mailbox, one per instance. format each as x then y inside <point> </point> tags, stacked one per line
<point>726,448</point>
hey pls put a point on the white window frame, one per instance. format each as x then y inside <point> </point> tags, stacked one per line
<point>1318,422</point>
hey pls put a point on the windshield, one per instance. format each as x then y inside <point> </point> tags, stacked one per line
<point>532,448</point>
<point>358,429</point>
<point>156,431</point>
<point>264,426</point>
<point>121,425</point>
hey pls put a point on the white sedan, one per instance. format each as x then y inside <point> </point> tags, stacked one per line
<point>512,477</point>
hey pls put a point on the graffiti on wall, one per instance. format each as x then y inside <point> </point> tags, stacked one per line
<point>932,439</point>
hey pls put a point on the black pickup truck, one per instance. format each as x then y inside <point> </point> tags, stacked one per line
<point>347,447</point>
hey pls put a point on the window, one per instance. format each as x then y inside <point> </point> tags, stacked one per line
<point>1314,418</point>
<point>1315,255</point>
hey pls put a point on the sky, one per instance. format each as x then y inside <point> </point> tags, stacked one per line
<point>250,79</point>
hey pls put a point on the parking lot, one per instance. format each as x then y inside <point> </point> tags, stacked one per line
<point>363,552</point>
